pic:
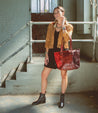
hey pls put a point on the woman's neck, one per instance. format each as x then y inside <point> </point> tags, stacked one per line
<point>58,28</point>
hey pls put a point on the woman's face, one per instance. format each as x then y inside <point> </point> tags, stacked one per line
<point>57,13</point>
<point>59,22</point>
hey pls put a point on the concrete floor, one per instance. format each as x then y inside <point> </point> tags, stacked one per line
<point>74,103</point>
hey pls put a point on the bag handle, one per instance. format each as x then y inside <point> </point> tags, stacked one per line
<point>70,43</point>
<point>62,45</point>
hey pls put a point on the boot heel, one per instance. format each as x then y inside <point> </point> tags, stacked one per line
<point>44,101</point>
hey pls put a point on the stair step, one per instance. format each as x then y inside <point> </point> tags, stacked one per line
<point>3,91</point>
<point>30,90</point>
<point>2,84</point>
<point>30,86</point>
<point>55,75</point>
<point>35,68</point>
<point>11,74</point>
<point>18,91</point>
<point>30,83</point>
<point>38,60</point>
<point>20,67</point>
<point>27,75</point>
<point>28,60</point>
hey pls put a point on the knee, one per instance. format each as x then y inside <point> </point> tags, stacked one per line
<point>64,75</point>
<point>43,75</point>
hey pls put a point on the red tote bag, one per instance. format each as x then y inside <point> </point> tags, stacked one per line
<point>69,59</point>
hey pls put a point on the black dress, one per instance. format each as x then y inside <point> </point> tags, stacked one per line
<point>52,63</point>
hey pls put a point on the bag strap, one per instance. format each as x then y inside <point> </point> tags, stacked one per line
<point>62,45</point>
<point>70,42</point>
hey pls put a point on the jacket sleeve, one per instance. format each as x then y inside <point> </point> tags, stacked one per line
<point>47,36</point>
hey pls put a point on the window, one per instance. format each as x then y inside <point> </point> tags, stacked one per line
<point>43,6</point>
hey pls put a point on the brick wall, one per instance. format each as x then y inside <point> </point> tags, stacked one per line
<point>39,31</point>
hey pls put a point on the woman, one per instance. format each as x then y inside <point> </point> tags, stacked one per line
<point>56,30</point>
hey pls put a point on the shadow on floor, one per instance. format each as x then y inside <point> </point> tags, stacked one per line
<point>74,103</point>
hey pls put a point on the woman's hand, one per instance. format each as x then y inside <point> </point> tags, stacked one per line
<point>61,23</point>
<point>46,59</point>
<point>61,20</point>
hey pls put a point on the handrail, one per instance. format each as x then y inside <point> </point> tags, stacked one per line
<point>72,22</point>
<point>74,40</point>
<point>41,41</point>
<point>13,54</point>
<point>13,35</point>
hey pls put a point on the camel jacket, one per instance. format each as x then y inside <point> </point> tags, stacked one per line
<point>50,36</point>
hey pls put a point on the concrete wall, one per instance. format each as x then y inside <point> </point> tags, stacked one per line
<point>70,9</point>
<point>14,15</point>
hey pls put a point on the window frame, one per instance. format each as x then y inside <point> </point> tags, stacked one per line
<point>50,3</point>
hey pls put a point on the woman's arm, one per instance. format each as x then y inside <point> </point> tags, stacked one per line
<point>67,32</point>
<point>66,27</point>
<point>46,53</point>
<point>47,45</point>
<point>47,36</point>
<point>46,57</point>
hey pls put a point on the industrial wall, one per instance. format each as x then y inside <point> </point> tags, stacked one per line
<point>14,15</point>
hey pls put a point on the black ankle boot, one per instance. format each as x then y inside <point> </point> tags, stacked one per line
<point>61,103</point>
<point>41,100</point>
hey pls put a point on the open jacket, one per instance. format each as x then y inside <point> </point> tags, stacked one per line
<point>50,36</point>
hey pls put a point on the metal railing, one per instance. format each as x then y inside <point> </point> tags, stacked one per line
<point>42,41</point>
<point>17,51</point>
<point>13,54</point>
<point>13,35</point>
<point>94,23</point>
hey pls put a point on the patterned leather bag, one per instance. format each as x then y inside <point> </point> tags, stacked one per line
<point>69,59</point>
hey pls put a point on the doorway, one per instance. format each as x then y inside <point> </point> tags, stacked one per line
<point>41,10</point>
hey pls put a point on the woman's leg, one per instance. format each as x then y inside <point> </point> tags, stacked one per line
<point>64,81</point>
<point>44,77</point>
<point>64,87</point>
